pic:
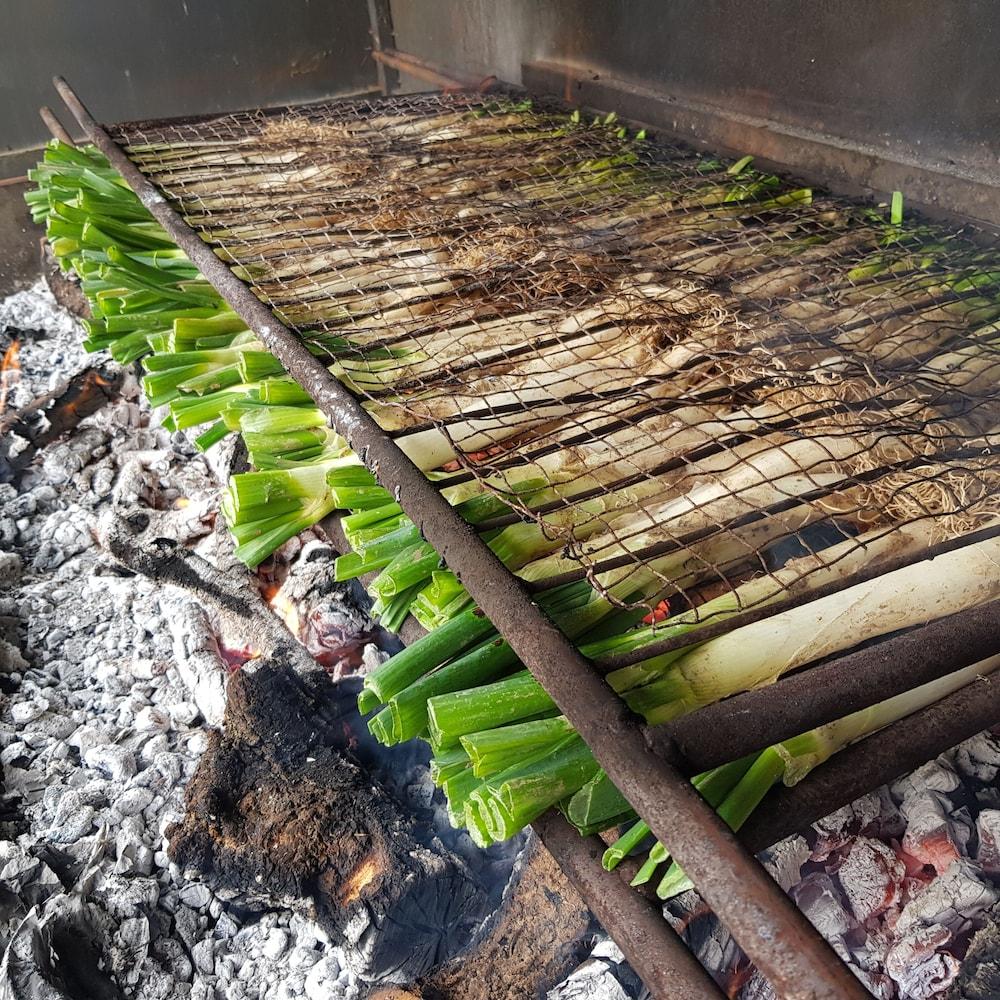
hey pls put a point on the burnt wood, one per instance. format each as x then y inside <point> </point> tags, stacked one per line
<point>86,392</point>
<point>278,808</point>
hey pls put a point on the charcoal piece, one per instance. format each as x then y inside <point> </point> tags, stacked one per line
<point>819,898</point>
<point>528,945</point>
<point>63,408</point>
<point>871,878</point>
<point>712,944</point>
<point>25,880</point>
<point>604,975</point>
<point>276,811</point>
<point>919,963</point>
<point>979,976</point>
<point>320,613</point>
<point>55,954</point>
<point>988,836</point>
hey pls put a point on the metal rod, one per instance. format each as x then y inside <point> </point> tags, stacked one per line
<point>756,719</point>
<point>875,761</point>
<point>650,944</point>
<point>383,38</point>
<point>870,572</point>
<point>412,66</point>
<point>54,125</point>
<point>767,925</point>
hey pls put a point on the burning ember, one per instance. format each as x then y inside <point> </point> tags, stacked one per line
<point>899,882</point>
<point>10,372</point>
<point>286,610</point>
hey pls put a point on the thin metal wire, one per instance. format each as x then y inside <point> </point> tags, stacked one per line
<point>790,953</point>
<point>680,359</point>
<point>678,296</point>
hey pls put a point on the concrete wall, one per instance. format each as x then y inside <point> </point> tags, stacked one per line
<point>152,58</point>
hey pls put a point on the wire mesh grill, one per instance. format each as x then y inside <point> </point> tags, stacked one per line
<point>684,375</point>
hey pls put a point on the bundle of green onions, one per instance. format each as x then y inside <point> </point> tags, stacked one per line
<point>505,755</point>
<point>137,282</point>
<point>521,298</point>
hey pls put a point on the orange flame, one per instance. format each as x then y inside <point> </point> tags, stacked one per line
<point>10,371</point>
<point>363,875</point>
<point>287,611</point>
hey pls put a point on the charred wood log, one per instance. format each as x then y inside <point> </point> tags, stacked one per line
<point>62,409</point>
<point>65,290</point>
<point>279,810</point>
<point>528,945</point>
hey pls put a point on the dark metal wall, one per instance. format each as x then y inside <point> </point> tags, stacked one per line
<point>897,75</point>
<point>149,58</point>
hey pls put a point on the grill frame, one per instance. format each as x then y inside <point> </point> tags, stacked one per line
<point>789,952</point>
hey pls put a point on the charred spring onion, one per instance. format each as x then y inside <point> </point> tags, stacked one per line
<point>540,334</point>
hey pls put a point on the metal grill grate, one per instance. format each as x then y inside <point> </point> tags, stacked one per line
<point>685,379</point>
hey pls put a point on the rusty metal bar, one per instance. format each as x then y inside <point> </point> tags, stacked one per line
<point>874,569</point>
<point>383,39</point>
<point>786,948</point>
<point>661,959</point>
<point>412,66</point>
<point>756,719</point>
<point>54,125</point>
<point>875,761</point>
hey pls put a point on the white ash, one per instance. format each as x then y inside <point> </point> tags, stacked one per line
<point>603,975</point>
<point>197,658</point>
<point>898,882</point>
<point>50,340</point>
<point>107,684</point>
<point>98,741</point>
<point>321,614</point>
<point>98,730</point>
